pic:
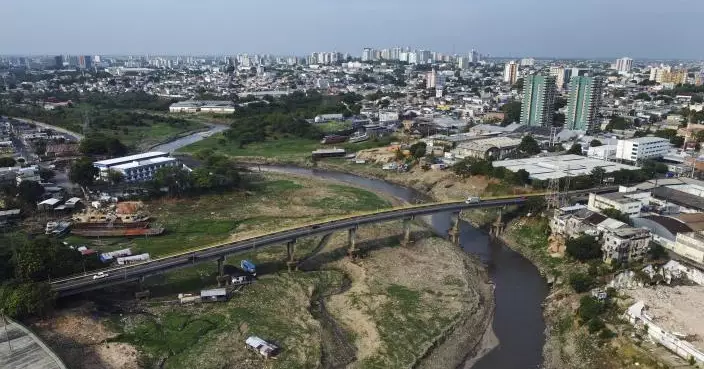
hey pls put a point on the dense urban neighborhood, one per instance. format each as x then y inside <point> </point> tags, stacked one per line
<point>141,185</point>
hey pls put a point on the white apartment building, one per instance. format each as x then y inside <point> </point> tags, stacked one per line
<point>624,65</point>
<point>642,148</point>
<point>511,72</point>
<point>136,168</point>
<point>627,203</point>
<point>625,244</point>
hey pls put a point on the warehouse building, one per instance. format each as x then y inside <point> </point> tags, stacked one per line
<point>560,166</point>
<point>495,148</point>
<point>203,106</point>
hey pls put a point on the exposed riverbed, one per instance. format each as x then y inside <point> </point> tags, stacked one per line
<point>520,290</point>
<point>518,324</point>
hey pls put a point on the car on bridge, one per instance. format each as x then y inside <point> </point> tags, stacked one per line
<point>473,200</point>
<point>100,275</point>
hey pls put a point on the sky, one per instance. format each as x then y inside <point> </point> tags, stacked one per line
<point>510,28</point>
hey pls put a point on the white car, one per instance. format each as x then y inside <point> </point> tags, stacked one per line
<point>473,200</point>
<point>100,275</point>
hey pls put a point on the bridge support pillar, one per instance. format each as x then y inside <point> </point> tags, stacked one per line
<point>290,255</point>
<point>221,266</point>
<point>406,241</point>
<point>352,243</point>
<point>454,231</point>
<point>497,228</point>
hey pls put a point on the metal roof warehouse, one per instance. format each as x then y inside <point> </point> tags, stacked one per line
<point>560,166</point>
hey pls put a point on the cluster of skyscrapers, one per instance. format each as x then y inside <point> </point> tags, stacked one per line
<point>405,54</point>
<point>583,103</point>
<point>76,61</point>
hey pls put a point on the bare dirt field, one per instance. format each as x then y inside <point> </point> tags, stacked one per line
<point>79,340</point>
<point>677,309</point>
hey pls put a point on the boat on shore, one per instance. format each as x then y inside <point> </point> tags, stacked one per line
<point>359,137</point>
<point>333,139</point>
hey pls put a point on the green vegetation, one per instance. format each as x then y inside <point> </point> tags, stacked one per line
<point>285,147</point>
<point>7,161</point>
<point>259,121</point>
<point>125,117</point>
<point>618,215</point>
<point>583,248</point>
<point>199,220</point>
<point>581,282</point>
<point>512,111</point>
<point>83,172</point>
<point>204,337</point>
<point>334,127</point>
<point>472,167</point>
<point>350,199</point>
<point>529,146</point>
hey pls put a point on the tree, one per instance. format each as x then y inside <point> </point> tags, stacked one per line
<point>30,192</point>
<point>595,143</point>
<point>616,214</point>
<point>102,145</point>
<point>7,161</point>
<point>176,180</point>
<point>115,177</point>
<point>643,96</point>
<point>529,146</point>
<point>581,282</point>
<point>522,176</point>
<point>559,103</point>
<point>590,308</point>
<point>597,175</point>
<point>46,174</point>
<point>418,149</point>
<point>19,300</point>
<point>575,149</point>
<point>512,111</point>
<point>83,172</point>
<point>618,123</point>
<point>583,248</point>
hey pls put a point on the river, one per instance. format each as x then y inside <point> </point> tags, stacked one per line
<point>178,143</point>
<point>520,290</point>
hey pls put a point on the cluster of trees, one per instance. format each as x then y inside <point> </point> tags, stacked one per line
<point>25,266</point>
<point>7,161</point>
<point>217,173</point>
<point>128,100</point>
<point>473,167</point>
<point>512,112</point>
<point>618,123</point>
<point>98,144</point>
<point>583,248</point>
<point>287,116</point>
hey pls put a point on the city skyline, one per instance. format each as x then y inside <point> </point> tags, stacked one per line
<point>635,28</point>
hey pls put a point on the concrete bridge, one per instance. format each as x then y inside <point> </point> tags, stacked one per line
<point>137,272</point>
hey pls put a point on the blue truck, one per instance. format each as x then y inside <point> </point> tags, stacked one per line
<point>248,267</point>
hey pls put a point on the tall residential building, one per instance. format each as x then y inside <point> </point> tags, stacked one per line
<point>624,65</point>
<point>474,56</point>
<point>583,103</point>
<point>562,76</point>
<point>677,76</point>
<point>527,62</point>
<point>657,73</point>
<point>538,100</point>
<point>431,79</point>
<point>511,72</point>
<point>59,61</point>
<point>367,54</point>
<point>462,62</point>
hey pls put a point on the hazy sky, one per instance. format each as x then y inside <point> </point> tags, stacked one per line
<point>560,28</point>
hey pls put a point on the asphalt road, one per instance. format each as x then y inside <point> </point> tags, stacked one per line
<point>82,283</point>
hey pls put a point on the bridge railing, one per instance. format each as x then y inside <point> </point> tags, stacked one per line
<point>253,239</point>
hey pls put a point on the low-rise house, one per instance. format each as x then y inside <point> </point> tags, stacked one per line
<point>264,348</point>
<point>212,295</point>
<point>626,244</point>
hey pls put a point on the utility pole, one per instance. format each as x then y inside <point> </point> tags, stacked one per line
<point>4,324</point>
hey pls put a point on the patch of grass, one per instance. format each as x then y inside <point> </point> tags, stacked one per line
<point>283,147</point>
<point>350,199</point>
<point>369,144</point>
